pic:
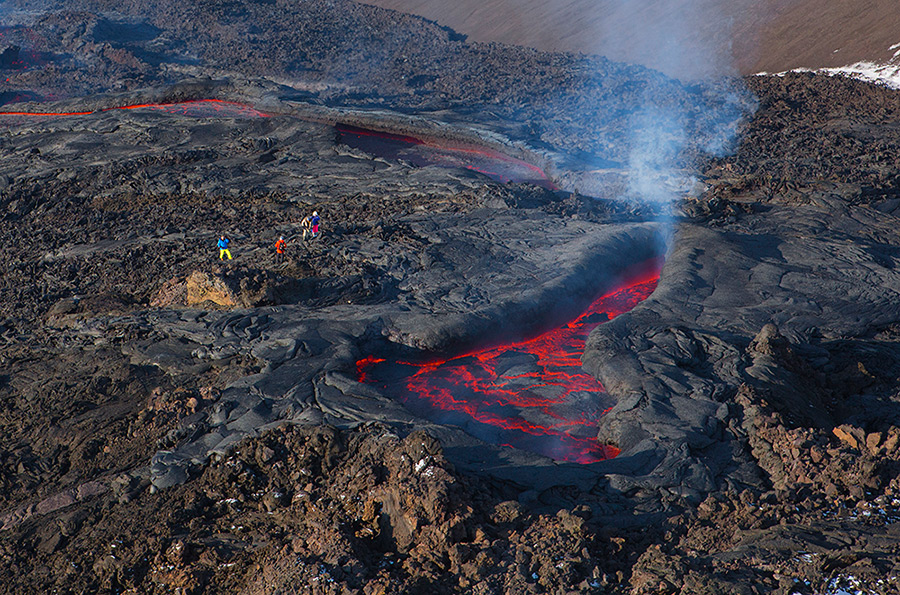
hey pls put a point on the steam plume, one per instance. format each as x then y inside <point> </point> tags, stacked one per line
<point>690,41</point>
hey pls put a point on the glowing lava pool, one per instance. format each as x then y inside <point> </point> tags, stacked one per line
<point>532,395</point>
<point>493,164</point>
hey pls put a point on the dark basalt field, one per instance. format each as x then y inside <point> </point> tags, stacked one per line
<point>177,423</point>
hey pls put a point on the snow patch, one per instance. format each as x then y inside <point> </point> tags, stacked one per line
<point>871,72</point>
<point>422,464</point>
<point>882,74</point>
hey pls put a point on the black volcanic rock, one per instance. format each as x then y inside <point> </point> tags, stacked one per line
<point>9,57</point>
<point>360,56</point>
<point>205,416</point>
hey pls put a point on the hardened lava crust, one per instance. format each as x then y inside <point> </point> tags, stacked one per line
<point>173,421</point>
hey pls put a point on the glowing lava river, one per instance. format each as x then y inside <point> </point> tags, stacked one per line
<point>531,395</point>
<point>195,108</point>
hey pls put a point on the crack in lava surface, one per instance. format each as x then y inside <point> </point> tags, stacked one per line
<point>532,395</point>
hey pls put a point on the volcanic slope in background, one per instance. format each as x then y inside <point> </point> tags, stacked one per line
<point>756,37</point>
<point>350,54</point>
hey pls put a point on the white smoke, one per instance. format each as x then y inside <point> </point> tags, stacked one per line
<point>690,41</point>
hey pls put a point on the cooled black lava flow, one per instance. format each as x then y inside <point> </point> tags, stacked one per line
<point>18,97</point>
<point>9,58</point>
<point>20,49</point>
<point>493,164</point>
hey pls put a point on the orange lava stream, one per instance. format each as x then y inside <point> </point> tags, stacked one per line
<point>523,393</point>
<point>194,108</point>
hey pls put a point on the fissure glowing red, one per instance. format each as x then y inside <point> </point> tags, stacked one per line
<point>198,108</point>
<point>491,163</point>
<point>531,394</point>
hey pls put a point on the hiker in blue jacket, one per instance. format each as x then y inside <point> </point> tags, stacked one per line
<point>223,248</point>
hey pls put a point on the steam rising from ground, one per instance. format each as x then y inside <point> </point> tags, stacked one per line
<point>664,156</point>
<point>668,139</point>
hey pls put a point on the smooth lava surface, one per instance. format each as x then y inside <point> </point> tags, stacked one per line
<point>493,164</point>
<point>532,395</point>
<point>421,153</point>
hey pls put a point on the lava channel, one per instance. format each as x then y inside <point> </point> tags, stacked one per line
<point>198,108</point>
<point>493,164</point>
<point>532,395</point>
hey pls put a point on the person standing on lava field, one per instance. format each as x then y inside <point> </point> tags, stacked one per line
<point>279,249</point>
<point>223,248</point>
<point>310,224</point>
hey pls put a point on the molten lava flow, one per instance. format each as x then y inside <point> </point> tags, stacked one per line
<point>198,108</point>
<point>532,394</point>
<point>493,164</point>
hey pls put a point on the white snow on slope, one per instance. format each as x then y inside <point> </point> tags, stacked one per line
<point>882,74</point>
<point>871,72</point>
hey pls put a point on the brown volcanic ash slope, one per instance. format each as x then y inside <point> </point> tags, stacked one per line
<point>829,34</point>
<point>770,36</point>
